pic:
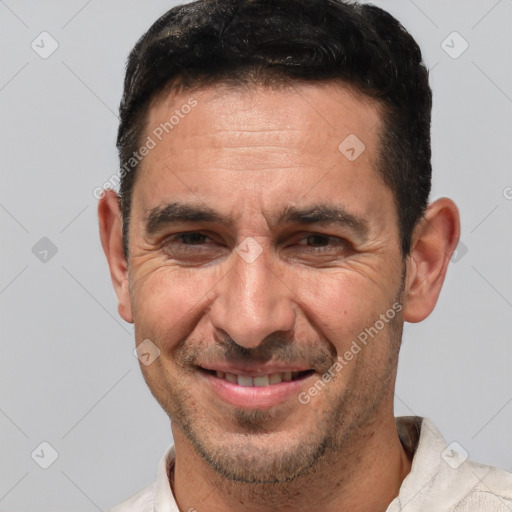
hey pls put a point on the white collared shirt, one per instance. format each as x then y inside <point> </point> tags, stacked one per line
<point>440,480</point>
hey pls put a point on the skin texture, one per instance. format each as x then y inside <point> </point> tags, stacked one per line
<point>247,154</point>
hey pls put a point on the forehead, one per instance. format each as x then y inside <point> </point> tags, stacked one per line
<point>261,146</point>
<point>283,116</point>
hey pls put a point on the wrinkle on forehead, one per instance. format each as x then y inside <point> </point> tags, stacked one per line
<point>248,148</point>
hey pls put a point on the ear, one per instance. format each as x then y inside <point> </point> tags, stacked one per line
<point>433,243</point>
<point>110,223</point>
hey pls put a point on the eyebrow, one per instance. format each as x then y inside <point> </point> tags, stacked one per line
<point>163,216</point>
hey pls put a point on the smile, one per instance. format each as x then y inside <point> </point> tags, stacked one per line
<point>260,380</point>
<point>255,390</point>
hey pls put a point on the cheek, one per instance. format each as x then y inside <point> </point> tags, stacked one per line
<point>342,306</point>
<point>347,311</point>
<point>167,301</point>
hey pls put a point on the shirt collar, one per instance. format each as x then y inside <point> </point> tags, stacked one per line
<point>164,498</point>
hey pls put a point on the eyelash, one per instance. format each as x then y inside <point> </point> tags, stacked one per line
<point>323,248</point>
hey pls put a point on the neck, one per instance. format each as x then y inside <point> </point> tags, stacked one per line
<point>365,477</point>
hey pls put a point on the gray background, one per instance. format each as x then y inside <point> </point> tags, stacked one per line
<point>68,374</point>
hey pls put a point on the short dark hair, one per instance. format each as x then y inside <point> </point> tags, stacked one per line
<point>270,41</point>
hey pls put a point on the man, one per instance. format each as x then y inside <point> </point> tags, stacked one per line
<point>272,234</point>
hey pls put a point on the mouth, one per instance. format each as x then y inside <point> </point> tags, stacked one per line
<point>255,390</point>
<point>262,380</point>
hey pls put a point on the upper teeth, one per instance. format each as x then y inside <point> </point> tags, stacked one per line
<point>262,380</point>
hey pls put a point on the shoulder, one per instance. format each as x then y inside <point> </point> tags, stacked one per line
<point>446,479</point>
<point>143,501</point>
<point>490,488</point>
<point>443,478</point>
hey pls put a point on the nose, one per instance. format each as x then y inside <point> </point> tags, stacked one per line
<point>252,302</point>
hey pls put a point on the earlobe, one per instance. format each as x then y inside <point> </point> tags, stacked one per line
<point>434,241</point>
<point>110,226</point>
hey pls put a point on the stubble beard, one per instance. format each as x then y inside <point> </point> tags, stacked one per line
<point>260,455</point>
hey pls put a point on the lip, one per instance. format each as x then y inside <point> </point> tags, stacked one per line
<point>254,397</point>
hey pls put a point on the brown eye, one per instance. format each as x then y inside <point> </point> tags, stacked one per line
<point>192,248</point>
<point>191,238</point>
<point>319,241</point>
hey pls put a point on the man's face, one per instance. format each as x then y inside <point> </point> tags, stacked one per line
<point>275,252</point>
